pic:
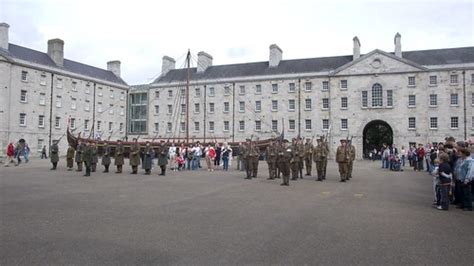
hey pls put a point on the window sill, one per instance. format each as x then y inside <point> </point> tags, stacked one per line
<point>434,129</point>
<point>291,130</point>
<point>411,86</point>
<point>343,89</point>
<point>274,110</point>
<point>432,85</point>
<point>454,105</point>
<point>226,112</point>
<point>433,106</point>
<point>389,107</point>
<point>308,109</point>
<point>412,129</point>
<point>307,129</point>
<point>308,90</point>
<point>411,106</point>
<point>324,109</point>
<point>23,101</point>
<point>42,127</point>
<point>453,84</point>
<point>22,125</point>
<point>291,110</point>
<point>291,91</point>
<point>454,128</point>
<point>274,92</point>
<point>344,108</point>
<point>344,129</point>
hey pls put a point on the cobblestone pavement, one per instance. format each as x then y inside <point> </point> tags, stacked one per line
<point>208,218</point>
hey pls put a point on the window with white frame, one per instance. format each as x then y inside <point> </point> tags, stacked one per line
<point>87,105</point>
<point>325,124</point>
<point>453,79</point>
<point>182,126</point>
<point>291,124</point>
<point>40,144</point>
<point>258,125</point>
<point>74,85</point>
<point>23,97</point>
<point>433,100</point>
<point>389,98</point>
<point>42,98</point>
<point>258,89</point>
<point>274,88</point>
<point>411,100</point>
<point>157,109</point>
<point>182,92</point>
<point>211,126</point>
<point>241,106</point>
<point>211,107</point>
<point>454,99</point>
<point>377,95</point>
<point>307,124</point>
<point>88,89</point>
<point>274,105</point>
<point>308,86</point>
<point>197,92</point>
<point>325,103</point>
<point>291,105</point>
<point>226,107</point>
<point>227,90</point>
<point>121,127</point>
<point>472,125</point>
<point>411,81</point>
<point>100,93</point>
<point>258,106</point>
<point>169,127</point>
<point>197,108</point>
<point>43,80</point>
<point>59,83</point>
<point>111,126</point>
<point>241,125</point>
<point>170,93</point>
<point>157,127</point>
<point>344,84</point>
<point>226,126</point>
<point>325,85</point>
<point>472,78</point>
<point>57,122</point>
<point>41,121</point>
<point>170,109</point>
<point>111,109</point>
<point>343,102</point>
<point>157,94</point>
<point>212,91</point>
<point>99,125</point>
<point>183,108</point>
<point>58,101</point>
<point>365,101</point>
<point>291,87</point>
<point>274,125</point>
<point>24,76</point>
<point>454,122</point>
<point>122,110</point>
<point>196,126</point>
<point>411,123</point>
<point>99,107</point>
<point>472,98</point>
<point>308,105</point>
<point>73,103</point>
<point>72,123</point>
<point>344,124</point>
<point>86,124</point>
<point>433,123</point>
<point>433,80</point>
<point>242,90</point>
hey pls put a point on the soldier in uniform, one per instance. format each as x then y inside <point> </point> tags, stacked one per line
<point>295,160</point>
<point>324,144</point>
<point>342,158</point>
<point>119,157</point>
<point>308,156</point>
<point>106,156</point>
<point>271,155</point>
<point>87,158</point>
<point>95,158</point>
<point>352,154</point>
<point>301,155</point>
<point>240,160</point>
<point>163,158</point>
<point>318,152</point>
<point>135,156</point>
<point>279,145</point>
<point>54,156</point>
<point>245,158</point>
<point>253,154</point>
<point>147,157</point>
<point>284,156</point>
<point>79,150</point>
<point>70,157</point>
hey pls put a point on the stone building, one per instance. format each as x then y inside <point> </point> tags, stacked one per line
<point>41,93</point>
<point>407,96</point>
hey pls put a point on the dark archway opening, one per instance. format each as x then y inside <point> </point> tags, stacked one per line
<point>376,133</point>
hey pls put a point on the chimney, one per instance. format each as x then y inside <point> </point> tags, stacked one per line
<point>114,66</point>
<point>167,64</point>
<point>356,49</point>
<point>56,51</point>
<point>398,45</point>
<point>4,35</point>
<point>204,61</point>
<point>275,55</point>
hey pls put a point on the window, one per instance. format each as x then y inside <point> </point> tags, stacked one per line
<point>308,104</point>
<point>472,99</point>
<point>344,124</point>
<point>274,88</point>
<point>307,124</point>
<point>99,107</point>
<point>157,127</point>
<point>121,127</point>
<point>344,84</point>
<point>86,124</point>
<point>197,92</point>
<point>242,90</point>
<point>88,89</point>
<point>212,92</point>
<point>411,81</point>
<point>241,107</point>
<point>169,126</point>
<point>364,99</point>
<point>122,96</point>
<point>258,106</point>
<point>100,94</point>
<point>211,107</point>
<point>411,100</point>
<point>472,124</point>
<point>291,105</point>
<point>291,124</point>
<point>211,126</point>
<point>73,103</point>
<point>226,126</point>
<point>454,79</point>
<point>258,89</point>
<point>182,126</point>
<point>258,125</point>
<point>170,109</point>
<point>43,80</point>
<point>72,123</point>
<point>122,110</point>
<point>389,98</point>
<point>433,122</point>
<point>197,108</point>
<point>170,93</point>
<point>411,123</point>
<point>275,125</point>
<point>433,100</point>
<point>138,113</point>
<point>111,126</point>
<point>325,103</point>
<point>24,76</point>
<point>433,80</point>
<point>182,92</point>
<point>454,99</point>
<point>472,78</point>
<point>241,125</point>
<point>111,109</point>
<point>454,122</point>
<point>99,125</point>
<point>41,121</point>
<point>40,144</point>
<point>307,86</point>
<point>157,94</point>
<point>58,101</point>
<point>74,86</point>
<point>87,105</point>
<point>325,124</point>
<point>23,97</point>
<point>291,87</point>
<point>196,126</point>
<point>226,107</point>
<point>42,99</point>
<point>157,109</point>
<point>57,122</point>
<point>226,90</point>
<point>343,102</point>
<point>325,85</point>
<point>183,108</point>
<point>274,105</point>
<point>59,83</point>
<point>377,95</point>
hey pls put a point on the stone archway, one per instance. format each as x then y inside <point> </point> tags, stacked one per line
<point>375,134</point>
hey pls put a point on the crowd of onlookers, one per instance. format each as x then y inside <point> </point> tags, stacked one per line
<point>20,150</point>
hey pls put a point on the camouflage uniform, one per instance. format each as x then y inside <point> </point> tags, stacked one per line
<point>285,155</point>
<point>119,158</point>
<point>70,158</point>
<point>342,158</point>
<point>79,150</point>
<point>135,157</point>
<point>308,157</point>
<point>271,156</point>
<point>253,154</point>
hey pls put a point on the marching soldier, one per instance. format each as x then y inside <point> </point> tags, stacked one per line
<point>295,160</point>
<point>119,157</point>
<point>87,158</point>
<point>246,158</point>
<point>308,156</point>
<point>70,157</point>
<point>106,157</point>
<point>325,145</point>
<point>135,156</point>
<point>79,150</point>
<point>253,154</point>
<point>301,155</point>
<point>163,158</point>
<point>54,156</point>
<point>284,157</point>
<point>342,158</point>
<point>279,145</point>
<point>352,154</point>
<point>95,158</point>
<point>147,157</point>
<point>271,155</point>
<point>318,152</point>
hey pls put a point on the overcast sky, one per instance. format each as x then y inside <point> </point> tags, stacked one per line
<point>139,33</point>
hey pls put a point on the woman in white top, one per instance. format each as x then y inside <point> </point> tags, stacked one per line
<point>172,156</point>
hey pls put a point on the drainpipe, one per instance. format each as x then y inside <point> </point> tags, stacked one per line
<point>233,112</point>
<point>464,102</point>
<point>51,111</point>
<point>299,108</point>
<point>205,112</point>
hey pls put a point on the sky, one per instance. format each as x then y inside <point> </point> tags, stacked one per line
<point>139,33</point>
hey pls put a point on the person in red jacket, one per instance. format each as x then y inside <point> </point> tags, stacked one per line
<point>210,157</point>
<point>10,153</point>
<point>421,156</point>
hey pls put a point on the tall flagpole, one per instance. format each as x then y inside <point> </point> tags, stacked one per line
<point>188,59</point>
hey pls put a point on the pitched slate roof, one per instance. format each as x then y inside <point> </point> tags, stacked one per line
<point>311,65</point>
<point>33,56</point>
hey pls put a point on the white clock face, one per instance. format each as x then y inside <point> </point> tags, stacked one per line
<point>376,63</point>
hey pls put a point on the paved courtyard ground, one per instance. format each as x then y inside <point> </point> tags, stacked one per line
<point>201,218</point>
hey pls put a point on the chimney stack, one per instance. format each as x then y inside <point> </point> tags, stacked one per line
<point>275,55</point>
<point>167,64</point>
<point>56,51</point>
<point>114,66</point>
<point>356,50</point>
<point>204,61</point>
<point>4,35</point>
<point>398,45</point>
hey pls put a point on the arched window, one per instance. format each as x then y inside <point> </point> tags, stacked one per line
<point>377,96</point>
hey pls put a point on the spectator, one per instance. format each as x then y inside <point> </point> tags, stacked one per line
<point>445,177</point>
<point>210,155</point>
<point>226,151</point>
<point>43,153</point>
<point>27,153</point>
<point>465,179</point>
<point>10,154</point>
<point>403,154</point>
<point>421,156</point>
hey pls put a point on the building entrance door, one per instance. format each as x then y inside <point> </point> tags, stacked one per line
<point>375,134</point>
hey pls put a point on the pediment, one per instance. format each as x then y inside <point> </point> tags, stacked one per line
<point>377,62</point>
